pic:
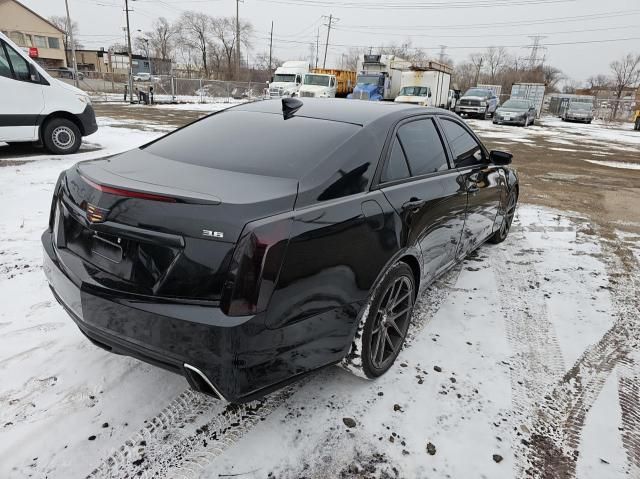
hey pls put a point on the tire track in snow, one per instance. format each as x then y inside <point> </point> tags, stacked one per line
<point>172,445</point>
<point>536,360</point>
<point>629,396</point>
<point>552,450</point>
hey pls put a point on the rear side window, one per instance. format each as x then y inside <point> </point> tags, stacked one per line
<point>396,168</point>
<point>256,143</point>
<point>466,150</point>
<point>423,147</point>
<point>20,65</point>
<point>5,69</point>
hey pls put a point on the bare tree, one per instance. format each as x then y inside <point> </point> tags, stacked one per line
<point>596,82</point>
<point>196,31</point>
<point>161,38</point>
<point>464,75</point>
<point>495,59</point>
<point>224,29</point>
<point>61,23</point>
<point>626,73</point>
<point>478,61</point>
<point>551,76</point>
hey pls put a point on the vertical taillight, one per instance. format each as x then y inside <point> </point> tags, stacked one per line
<point>255,267</point>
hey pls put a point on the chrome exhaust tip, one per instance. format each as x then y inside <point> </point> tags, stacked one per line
<point>201,383</point>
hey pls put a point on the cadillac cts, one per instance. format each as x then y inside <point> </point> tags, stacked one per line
<point>273,238</point>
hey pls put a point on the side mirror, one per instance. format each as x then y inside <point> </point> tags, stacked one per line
<point>498,157</point>
<point>429,95</point>
<point>267,82</point>
<point>33,73</point>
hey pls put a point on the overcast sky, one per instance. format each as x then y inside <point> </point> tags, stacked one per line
<point>426,23</point>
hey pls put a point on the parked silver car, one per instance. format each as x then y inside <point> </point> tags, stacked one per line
<point>516,111</point>
<point>578,111</point>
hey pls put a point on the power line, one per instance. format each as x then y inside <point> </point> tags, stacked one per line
<point>416,6</point>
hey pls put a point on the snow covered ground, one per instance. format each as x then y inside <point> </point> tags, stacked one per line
<point>521,359</point>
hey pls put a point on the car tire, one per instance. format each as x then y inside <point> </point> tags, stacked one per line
<point>637,127</point>
<point>61,136</point>
<point>501,234</point>
<point>394,295</point>
<point>487,114</point>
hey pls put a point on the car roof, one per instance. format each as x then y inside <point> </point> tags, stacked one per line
<point>358,112</point>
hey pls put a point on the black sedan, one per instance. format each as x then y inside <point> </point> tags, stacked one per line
<point>516,112</point>
<point>268,240</point>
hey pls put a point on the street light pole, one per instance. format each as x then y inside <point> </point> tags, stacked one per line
<point>73,46</point>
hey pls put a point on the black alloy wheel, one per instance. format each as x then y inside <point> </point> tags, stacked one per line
<point>388,322</point>
<point>500,235</point>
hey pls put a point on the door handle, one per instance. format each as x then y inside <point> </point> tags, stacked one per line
<point>413,204</point>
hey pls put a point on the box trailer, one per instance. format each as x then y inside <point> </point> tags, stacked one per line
<point>346,79</point>
<point>426,84</point>
<point>530,91</point>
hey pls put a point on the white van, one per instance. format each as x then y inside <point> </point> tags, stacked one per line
<point>34,107</point>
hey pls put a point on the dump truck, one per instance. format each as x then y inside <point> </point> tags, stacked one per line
<point>636,116</point>
<point>426,85</point>
<point>345,79</point>
<point>379,77</point>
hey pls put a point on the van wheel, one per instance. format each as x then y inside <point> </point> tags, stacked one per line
<point>61,136</point>
<point>383,324</point>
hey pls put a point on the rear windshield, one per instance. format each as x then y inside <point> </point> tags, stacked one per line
<point>256,143</point>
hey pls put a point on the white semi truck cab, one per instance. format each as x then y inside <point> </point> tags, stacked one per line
<point>287,79</point>
<point>318,85</point>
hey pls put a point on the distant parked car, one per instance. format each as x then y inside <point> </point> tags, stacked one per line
<point>142,77</point>
<point>516,111</point>
<point>65,72</point>
<point>478,102</point>
<point>578,111</point>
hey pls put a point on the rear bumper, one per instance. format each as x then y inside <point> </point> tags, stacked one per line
<point>239,356</point>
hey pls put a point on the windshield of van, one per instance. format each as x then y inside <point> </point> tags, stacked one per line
<point>318,80</point>
<point>414,91</point>
<point>284,77</point>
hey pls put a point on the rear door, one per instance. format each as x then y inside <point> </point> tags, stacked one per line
<point>426,192</point>
<point>21,98</point>
<point>484,182</point>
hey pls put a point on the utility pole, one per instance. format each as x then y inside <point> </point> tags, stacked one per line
<point>73,46</point>
<point>270,46</point>
<point>326,45</point>
<point>238,40</point>
<point>317,47</point>
<point>126,9</point>
<point>441,57</point>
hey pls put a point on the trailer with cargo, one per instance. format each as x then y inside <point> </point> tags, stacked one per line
<point>533,92</point>
<point>426,85</point>
<point>379,77</point>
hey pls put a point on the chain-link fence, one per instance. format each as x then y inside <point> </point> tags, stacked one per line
<point>112,87</point>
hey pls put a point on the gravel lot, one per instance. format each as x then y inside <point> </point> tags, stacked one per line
<point>523,361</point>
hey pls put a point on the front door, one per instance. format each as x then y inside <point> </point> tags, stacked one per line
<point>484,183</point>
<point>428,195</point>
<point>21,99</point>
